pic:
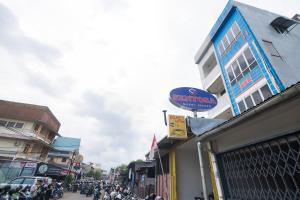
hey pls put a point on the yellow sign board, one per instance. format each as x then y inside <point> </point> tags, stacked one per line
<point>177,127</point>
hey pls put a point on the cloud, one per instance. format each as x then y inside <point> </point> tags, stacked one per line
<point>13,39</point>
<point>53,85</point>
<point>113,138</point>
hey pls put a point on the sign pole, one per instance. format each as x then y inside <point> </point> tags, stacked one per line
<point>162,169</point>
<point>195,114</point>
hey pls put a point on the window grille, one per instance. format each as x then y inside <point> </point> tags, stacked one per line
<point>267,170</point>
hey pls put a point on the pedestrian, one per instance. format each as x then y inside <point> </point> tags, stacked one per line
<point>48,193</point>
<point>36,190</point>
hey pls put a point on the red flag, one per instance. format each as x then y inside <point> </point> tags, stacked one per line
<point>153,148</point>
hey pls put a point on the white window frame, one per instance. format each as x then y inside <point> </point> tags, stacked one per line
<point>235,37</point>
<point>236,59</point>
<point>252,99</point>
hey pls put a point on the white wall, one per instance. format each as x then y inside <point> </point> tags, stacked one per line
<point>188,177</point>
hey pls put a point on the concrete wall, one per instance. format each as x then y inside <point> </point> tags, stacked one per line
<point>188,178</point>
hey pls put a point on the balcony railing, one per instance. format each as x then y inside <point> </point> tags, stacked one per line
<point>211,77</point>
<point>223,104</point>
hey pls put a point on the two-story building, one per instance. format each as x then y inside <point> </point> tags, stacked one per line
<point>250,61</point>
<point>26,131</point>
<point>65,152</point>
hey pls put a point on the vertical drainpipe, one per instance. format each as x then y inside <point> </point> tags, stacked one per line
<point>202,171</point>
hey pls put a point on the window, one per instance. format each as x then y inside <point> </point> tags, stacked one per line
<point>229,38</point>
<point>19,125</point>
<point>236,70</point>
<point>17,181</point>
<point>11,124</point>
<point>225,42</point>
<point>249,102</point>
<point>28,181</point>
<point>266,92</point>
<point>256,97</point>
<point>26,148</point>
<point>3,123</point>
<point>242,106</point>
<point>236,30</point>
<point>221,48</point>
<point>242,66</point>
<point>242,62</point>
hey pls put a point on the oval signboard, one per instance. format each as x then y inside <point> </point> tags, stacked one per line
<point>192,99</point>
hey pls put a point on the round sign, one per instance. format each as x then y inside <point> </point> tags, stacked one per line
<point>192,99</point>
<point>43,168</point>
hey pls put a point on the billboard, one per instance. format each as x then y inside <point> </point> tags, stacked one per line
<point>192,99</point>
<point>177,127</point>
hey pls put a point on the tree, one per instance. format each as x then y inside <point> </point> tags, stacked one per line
<point>69,179</point>
<point>90,173</point>
<point>97,174</point>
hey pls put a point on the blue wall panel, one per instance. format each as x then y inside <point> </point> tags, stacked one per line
<point>246,36</point>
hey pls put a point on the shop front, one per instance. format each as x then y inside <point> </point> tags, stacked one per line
<point>256,155</point>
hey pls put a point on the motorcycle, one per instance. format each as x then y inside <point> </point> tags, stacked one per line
<point>58,193</point>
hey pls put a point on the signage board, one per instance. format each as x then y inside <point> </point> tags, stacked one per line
<point>177,127</point>
<point>192,99</point>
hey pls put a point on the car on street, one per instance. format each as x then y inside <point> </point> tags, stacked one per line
<point>25,181</point>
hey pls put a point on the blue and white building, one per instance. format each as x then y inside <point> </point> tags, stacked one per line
<point>251,61</point>
<point>249,55</point>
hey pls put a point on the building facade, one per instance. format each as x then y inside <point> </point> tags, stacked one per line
<point>26,131</point>
<point>249,55</point>
<point>65,153</point>
<point>255,58</point>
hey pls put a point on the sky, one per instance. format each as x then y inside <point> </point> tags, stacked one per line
<point>105,67</point>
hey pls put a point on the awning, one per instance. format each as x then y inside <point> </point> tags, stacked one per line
<point>200,125</point>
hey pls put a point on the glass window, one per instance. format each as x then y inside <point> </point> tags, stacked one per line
<point>230,36</point>
<point>249,56</point>
<point>2,123</point>
<point>266,92</point>
<point>28,181</point>
<point>249,102</point>
<point>225,42</point>
<point>19,125</point>
<point>17,181</point>
<point>242,106</point>
<point>235,29</point>
<point>253,65</point>
<point>221,48</point>
<point>11,124</point>
<point>230,74</point>
<point>242,62</point>
<point>28,172</point>
<point>257,98</point>
<point>236,69</point>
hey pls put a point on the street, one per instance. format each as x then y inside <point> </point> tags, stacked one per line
<point>75,196</point>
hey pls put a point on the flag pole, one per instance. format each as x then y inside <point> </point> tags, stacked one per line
<point>162,169</point>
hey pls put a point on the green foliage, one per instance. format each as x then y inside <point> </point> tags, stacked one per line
<point>90,173</point>
<point>97,174</point>
<point>69,179</point>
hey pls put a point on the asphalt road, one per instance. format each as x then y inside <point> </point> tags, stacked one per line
<point>75,196</point>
